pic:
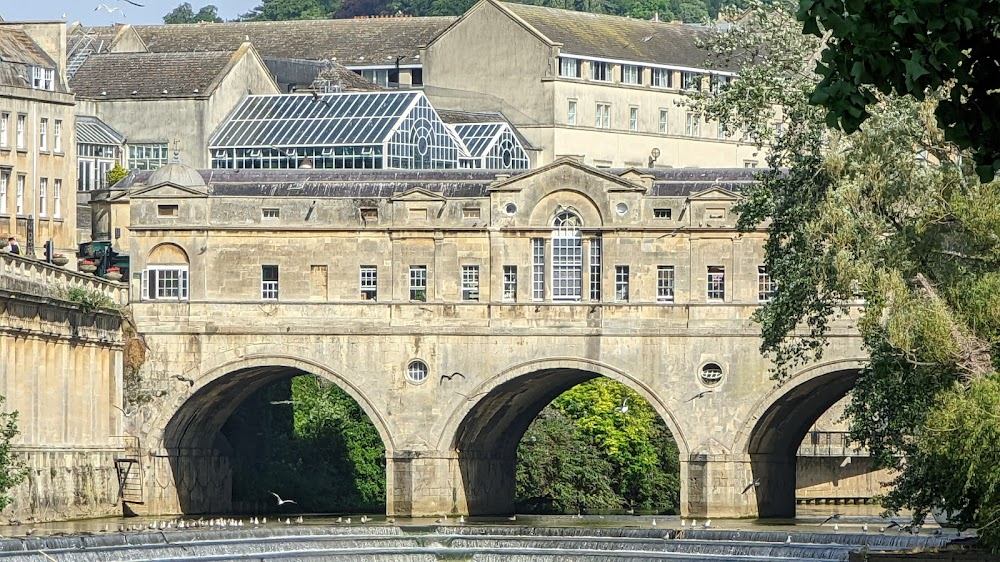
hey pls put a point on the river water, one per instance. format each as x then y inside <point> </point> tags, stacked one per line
<point>590,538</point>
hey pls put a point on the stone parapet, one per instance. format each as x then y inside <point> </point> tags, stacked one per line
<point>35,277</point>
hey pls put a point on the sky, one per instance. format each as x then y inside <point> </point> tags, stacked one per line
<point>84,10</point>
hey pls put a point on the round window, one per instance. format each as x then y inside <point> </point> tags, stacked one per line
<point>621,209</point>
<point>510,208</point>
<point>711,374</point>
<point>416,372</point>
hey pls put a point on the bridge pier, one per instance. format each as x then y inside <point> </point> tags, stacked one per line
<point>422,483</point>
<point>188,481</point>
<point>712,486</point>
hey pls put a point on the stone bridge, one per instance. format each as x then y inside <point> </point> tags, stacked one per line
<point>450,441</point>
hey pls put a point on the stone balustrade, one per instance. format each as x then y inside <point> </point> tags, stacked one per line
<point>35,277</point>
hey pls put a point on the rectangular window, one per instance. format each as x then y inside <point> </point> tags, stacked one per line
<point>603,116</point>
<point>167,210</point>
<point>692,125</point>
<point>716,282</point>
<point>470,282</point>
<point>509,283</point>
<point>50,79</point>
<point>369,215</point>
<point>538,269</point>
<point>663,78</point>
<point>57,136</point>
<point>600,71</point>
<point>663,121</point>
<point>270,213</point>
<point>147,156</point>
<point>369,283</point>
<point>719,83</point>
<point>621,283</point>
<point>569,67</point>
<point>567,264</point>
<point>471,212</point>
<point>19,195</point>
<point>43,188</point>
<point>765,284</point>
<point>379,76</point>
<point>269,282</point>
<point>571,113</point>
<point>631,74</point>
<point>37,77</point>
<point>633,118</point>
<point>4,120</point>
<point>418,283</point>
<point>690,80</point>
<point>665,283</point>
<point>662,213</point>
<point>749,163</point>
<point>20,131</point>
<point>4,183</point>
<point>165,283</point>
<point>57,198</point>
<point>595,269</point>
<point>722,131</point>
<point>43,134</point>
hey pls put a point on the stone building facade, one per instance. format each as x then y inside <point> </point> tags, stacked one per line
<point>37,146</point>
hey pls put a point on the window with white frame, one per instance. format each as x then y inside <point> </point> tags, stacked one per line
<point>690,80</point>
<point>621,283</point>
<point>269,282</point>
<point>509,283</point>
<point>665,283</point>
<point>270,213</point>
<point>57,198</point>
<point>19,195</point>
<point>716,283</point>
<point>765,284</point>
<point>602,118</point>
<point>633,118</point>
<point>21,118</point>
<point>595,269</point>
<point>719,83</point>
<point>631,74</point>
<point>416,372</point>
<point>663,78</point>
<point>571,112</point>
<point>470,282</point>
<point>567,257</point>
<point>418,283</point>
<point>378,76</point>
<point>4,184</point>
<point>663,121</point>
<point>692,125</point>
<point>369,283</point>
<point>537,269</point>
<point>43,188</point>
<point>4,121</point>
<point>43,134</point>
<point>600,71</point>
<point>165,282</point>
<point>749,163</point>
<point>57,136</point>
<point>147,156</point>
<point>569,67</point>
<point>43,78</point>
<point>722,130</point>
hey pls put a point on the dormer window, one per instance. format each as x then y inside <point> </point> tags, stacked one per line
<point>690,80</point>
<point>663,78</point>
<point>631,74</point>
<point>600,71</point>
<point>43,78</point>
<point>569,67</point>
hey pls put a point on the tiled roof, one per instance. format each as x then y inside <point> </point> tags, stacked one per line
<point>615,37</point>
<point>148,75</point>
<point>18,52</point>
<point>352,42</point>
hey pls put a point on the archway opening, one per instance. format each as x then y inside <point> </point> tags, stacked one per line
<point>567,441</point>
<point>784,429</point>
<point>275,429</point>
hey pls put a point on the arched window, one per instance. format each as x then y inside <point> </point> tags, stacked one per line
<point>166,274</point>
<point>567,257</point>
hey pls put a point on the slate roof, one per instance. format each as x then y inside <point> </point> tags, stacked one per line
<point>615,37</point>
<point>18,52</point>
<point>352,42</point>
<point>118,75</point>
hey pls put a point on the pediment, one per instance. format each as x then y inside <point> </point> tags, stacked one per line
<point>418,194</point>
<point>714,194</point>
<point>567,172</point>
<point>167,191</point>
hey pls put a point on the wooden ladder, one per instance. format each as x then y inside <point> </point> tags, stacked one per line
<point>129,468</point>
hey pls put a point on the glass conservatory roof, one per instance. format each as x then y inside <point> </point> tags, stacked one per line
<point>479,137</point>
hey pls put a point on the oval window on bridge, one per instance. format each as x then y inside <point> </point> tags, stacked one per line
<point>416,372</point>
<point>711,374</point>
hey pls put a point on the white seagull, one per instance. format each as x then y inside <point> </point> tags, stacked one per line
<point>281,501</point>
<point>110,10</point>
<point>624,407</point>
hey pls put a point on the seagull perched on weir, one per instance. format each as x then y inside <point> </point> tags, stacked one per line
<point>281,501</point>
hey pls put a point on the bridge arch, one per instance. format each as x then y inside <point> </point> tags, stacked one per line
<point>485,430</point>
<point>780,420</point>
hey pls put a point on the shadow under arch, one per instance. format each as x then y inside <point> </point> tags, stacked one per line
<point>192,437</point>
<point>486,431</point>
<point>783,419</point>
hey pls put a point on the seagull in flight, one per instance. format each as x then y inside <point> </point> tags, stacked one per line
<point>136,4</point>
<point>701,394</point>
<point>624,407</point>
<point>317,97</point>
<point>834,516</point>
<point>109,9</point>
<point>281,501</point>
<point>754,484</point>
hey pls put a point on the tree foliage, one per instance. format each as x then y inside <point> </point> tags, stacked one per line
<point>116,174</point>
<point>917,48</point>
<point>12,468</point>
<point>185,13</point>
<point>888,215</point>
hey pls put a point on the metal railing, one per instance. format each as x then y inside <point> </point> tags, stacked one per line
<point>830,444</point>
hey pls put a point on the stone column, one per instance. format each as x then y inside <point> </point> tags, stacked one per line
<point>428,483</point>
<point>712,486</point>
<point>189,481</point>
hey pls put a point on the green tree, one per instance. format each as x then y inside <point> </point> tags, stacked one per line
<point>917,48</point>
<point>12,469</point>
<point>282,10</point>
<point>889,214</point>
<point>116,174</point>
<point>184,13</point>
